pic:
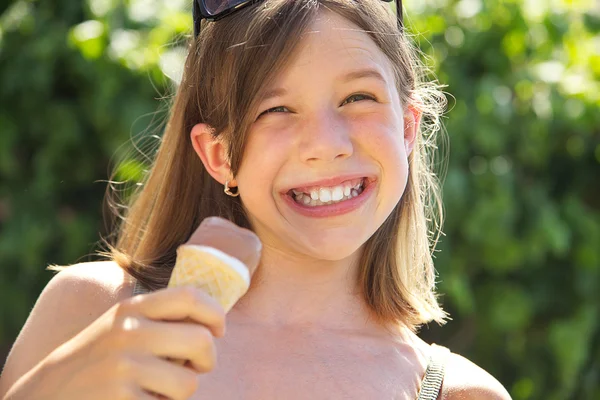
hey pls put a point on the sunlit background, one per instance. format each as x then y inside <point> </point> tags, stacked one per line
<point>519,267</point>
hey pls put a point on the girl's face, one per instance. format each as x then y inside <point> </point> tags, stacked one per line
<point>325,161</point>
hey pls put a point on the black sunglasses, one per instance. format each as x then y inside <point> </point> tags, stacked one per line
<point>213,10</point>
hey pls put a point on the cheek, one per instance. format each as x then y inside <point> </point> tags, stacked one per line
<point>264,155</point>
<point>382,137</point>
<point>383,140</point>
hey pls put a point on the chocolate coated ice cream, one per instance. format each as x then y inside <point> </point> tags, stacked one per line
<point>226,236</point>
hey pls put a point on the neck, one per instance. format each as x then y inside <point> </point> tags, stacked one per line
<point>294,292</point>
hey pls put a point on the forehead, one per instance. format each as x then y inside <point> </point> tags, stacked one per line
<point>332,45</point>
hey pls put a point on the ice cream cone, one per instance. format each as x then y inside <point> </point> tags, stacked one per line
<point>222,276</point>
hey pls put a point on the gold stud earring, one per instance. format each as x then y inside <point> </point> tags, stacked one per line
<point>228,191</point>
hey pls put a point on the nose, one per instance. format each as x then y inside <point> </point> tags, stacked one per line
<point>325,137</point>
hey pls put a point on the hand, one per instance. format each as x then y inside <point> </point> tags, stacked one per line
<point>124,353</point>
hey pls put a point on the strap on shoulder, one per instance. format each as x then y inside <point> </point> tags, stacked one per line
<point>434,375</point>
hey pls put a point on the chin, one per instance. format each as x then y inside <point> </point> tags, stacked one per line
<point>333,250</point>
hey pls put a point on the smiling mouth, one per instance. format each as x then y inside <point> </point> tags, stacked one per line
<point>322,196</point>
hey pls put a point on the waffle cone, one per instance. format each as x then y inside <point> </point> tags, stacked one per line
<point>222,276</point>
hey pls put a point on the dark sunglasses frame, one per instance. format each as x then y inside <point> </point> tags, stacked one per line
<point>200,12</point>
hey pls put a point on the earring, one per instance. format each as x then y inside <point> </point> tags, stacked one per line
<point>228,191</point>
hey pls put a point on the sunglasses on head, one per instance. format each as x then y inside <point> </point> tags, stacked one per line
<point>213,10</point>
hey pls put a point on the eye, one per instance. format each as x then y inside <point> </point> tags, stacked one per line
<point>277,109</point>
<point>351,99</point>
<point>358,97</point>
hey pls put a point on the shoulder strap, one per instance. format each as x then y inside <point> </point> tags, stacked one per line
<point>434,375</point>
<point>138,288</point>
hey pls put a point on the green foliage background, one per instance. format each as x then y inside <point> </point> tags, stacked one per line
<point>520,262</point>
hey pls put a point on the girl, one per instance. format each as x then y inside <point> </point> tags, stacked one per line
<point>300,120</point>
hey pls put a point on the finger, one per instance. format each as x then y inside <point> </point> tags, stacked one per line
<point>163,378</point>
<point>141,394</point>
<point>133,392</point>
<point>179,340</point>
<point>159,396</point>
<point>181,303</point>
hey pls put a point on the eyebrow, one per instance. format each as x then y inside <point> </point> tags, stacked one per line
<point>363,73</point>
<point>350,76</point>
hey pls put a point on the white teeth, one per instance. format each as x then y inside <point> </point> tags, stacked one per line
<point>307,201</point>
<point>324,195</point>
<point>337,193</point>
<point>347,190</point>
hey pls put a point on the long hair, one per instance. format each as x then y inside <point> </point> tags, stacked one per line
<point>227,68</point>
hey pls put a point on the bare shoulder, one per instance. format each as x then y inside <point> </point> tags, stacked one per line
<point>105,277</point>
<point>464,380</point>
<point>72,300</point>
<point>82,292</point>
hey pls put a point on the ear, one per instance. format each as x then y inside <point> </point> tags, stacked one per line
<point>412,120</point>
<point>213,153</point>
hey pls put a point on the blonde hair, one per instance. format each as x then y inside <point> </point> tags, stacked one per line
<point>227,68</point>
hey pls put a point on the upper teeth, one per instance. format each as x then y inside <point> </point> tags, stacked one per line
<point>333,193</point>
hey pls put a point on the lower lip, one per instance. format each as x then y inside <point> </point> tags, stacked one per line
<point>335,209</point>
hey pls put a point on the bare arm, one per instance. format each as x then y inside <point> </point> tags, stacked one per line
<point>72,300</point>
<point>124,352</point>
